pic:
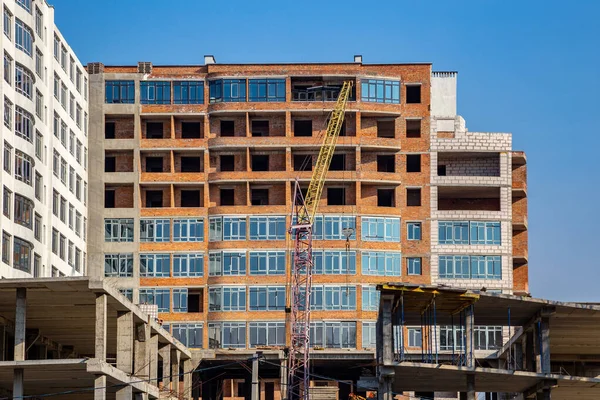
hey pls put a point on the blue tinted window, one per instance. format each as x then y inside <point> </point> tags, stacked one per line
<point>155,92</point>
<point>469,232</point>
<point>188,92</point>
<point>413,265</point>
<point>120,92</point>
<point>266,90</point>
<point>470,267</point>
<point>188,230</point>
<point>155,265</point>
<point>413,230</point>
<point>227,90</point>
<point>380,229</point>
<point>267,262</point>
<point>263,298</point>
<point>380,91</point>
<point>159,297</point>
<point>189,264</point>
<point>267,228</point>
<point>370,298</point>
<point>381,263</point>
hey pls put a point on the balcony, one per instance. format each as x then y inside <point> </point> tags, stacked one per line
<point>320,88</point>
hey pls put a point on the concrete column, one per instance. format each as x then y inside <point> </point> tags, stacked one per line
<point>141,362</point>
<point>255,382</point>
<point>386,329</point>
<point>544,394</point>
<point>187,379</point>
<point>385,350</point>
<point>470,345</point>
<point>101,327</point>
<point>100,388</point>
<point>153,359</point>
<point>18,378</point>
<point>20,324</point>
<point>470,387</point>
<point>517,362</point>
<point>545,345</point>
<point>125,341</point>
<point>283,378</point>
<point>529,352</point>
<point>175,360</point>
<point>125,393</point>
<point>2,342</point>
<point>165,354</point>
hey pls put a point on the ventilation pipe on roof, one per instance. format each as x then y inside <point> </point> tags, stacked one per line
<point>209,59</point>
<point>358,58</point>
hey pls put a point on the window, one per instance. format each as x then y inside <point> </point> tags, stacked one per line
<point>267,262</point>
<point>155,92</point>
<point>266,90</point>
<point>77,259</point>
<point>381,263</point>
<point>386,163</point>
<point>39,186</point>
<point>78,223</point>
<point>331,227</point>
<point>7,23</point>
<point>370,298</point>
<point>55,202</point>
<point>63,209</point>
<point>118,230</point>
<point>413,163</point>
<point>189,264</point>
<point>37,265</point>
<point>7,69</point>
<point>23,37</point>
<point>369,335</point>
<point>386,129</point>
<point>386,197</point>
<point>71,69</point>
<point>63,58</point>
<point>227,129</point>
<point>24,124</point>
<point>227,335</point>
<point>56,47</point>
<point>22,254</point>
<point>56,163</point>
<point>227,298</point>
<point>8,113</point>
<point>227,90</point>
<point>72,179</point>
<point>302,127</point>
<point>6,202</point>
<point>154,198</point>
<point>267,298</point>
<point>413,265</point>
<point>413,94</point>
<point>336,196</point>
<point>335,298</point>
<point>334,262</point>
<point>413,197</point>
<point>380,91</point>
<point>128,293</point>
<point>452,338</point>
<point>226,263</point>
<point>71,254</point>
<point>333,334</point>
<point>469,232</point>
<point>119,265</point>
<point>24,81</point>
<point>23,167</point>
<point>26,4</point>
<point>487,337</point>
<point>78,152</point>
<point>7,157</point>
<point>413,230</point>
<point>5,248</point>
<point>155,265</point>
<point>380,229</point>
<point>61,249</point>
<point>155,230</point>
<point>227,228</point>
<point>78,75</point>
<point>85,88</point>
<point>159,297</point>
<point>188,92</point>
<point>470,267</point>
<point>78,187</point>
<point>39,23</point>
<point>63,133</point>
<point>267,334</point>
<point>190,334</point>
<point>54,241</point>
<point>267,227</point>
<point>39,105</point>
<point>413,128</point>
<point>188,230</point>
<point>414,337</point>
<point>71,105</point>
<point>120,92</point>
<point>39,63</point>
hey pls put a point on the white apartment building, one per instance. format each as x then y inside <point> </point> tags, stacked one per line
<point>44,176</point>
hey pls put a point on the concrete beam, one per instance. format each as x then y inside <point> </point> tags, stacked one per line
<point>101,331</point>
<point>20,324</point>
<point>125,341</point>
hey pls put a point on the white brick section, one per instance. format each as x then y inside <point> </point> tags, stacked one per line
<point>464,140</point>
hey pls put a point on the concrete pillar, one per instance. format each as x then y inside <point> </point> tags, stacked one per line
<point>101,327</point>
<point>20,324</point>
<point>100,388</point>
<point>545,345</point>
<point>125,341</point>
<point>153,359</point>
<point>175,360</point>
<point>529,352</point>
<point>385,350</point>
<point>283,378</point>
<point>187,379</point>
<point>470,345</point>
<point>125,393</point>
<point>255,382</point>
<point>18,378</point>
<point>544,394</point>
<point>165,354</point>
<point>470,387</point>
<point>141,348</point>
<point>2,342</point>
<point>517,362</point>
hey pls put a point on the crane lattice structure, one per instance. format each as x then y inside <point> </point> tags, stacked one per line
<point>304,210</point>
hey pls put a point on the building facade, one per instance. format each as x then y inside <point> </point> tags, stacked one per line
<point>192,210</point>
<point>44,177</point>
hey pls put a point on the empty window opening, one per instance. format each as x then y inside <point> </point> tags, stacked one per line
<point>260,197</point>
<point>338,162</point>
<point>343,129</point>
<point>110,164</point>
<point>109,198</point>
<point>227,197</point>
<point>413,163</point>
<point>227,128</point>
<point>195,301</point>
<point>190,130</point>
<point>227,163</point>
<point>336,196</point>
<point>154,198</point>
<point>302,162</point>
<point>260,128</point>
<point>190,198</point>
<point>413,197</point>
<point>413,128</point>
<point>385,197</point>
<point>441,170</point>
<point>413,94</point>
<point>154,164</point>
<point>386,163</point>
<point>260,163</point>
<point>190,164</point>
<point>241,389</point>
<point>154,130</point>
<point>302,128</point>
<point>386,128</point>
<point>109,130</point>
<point>269,391</point>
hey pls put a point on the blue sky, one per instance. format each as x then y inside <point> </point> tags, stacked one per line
<point>526,67</point>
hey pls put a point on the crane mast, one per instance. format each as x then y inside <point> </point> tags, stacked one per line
<point>304,210</point>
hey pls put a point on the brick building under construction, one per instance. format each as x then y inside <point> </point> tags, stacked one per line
<point>199,168</point>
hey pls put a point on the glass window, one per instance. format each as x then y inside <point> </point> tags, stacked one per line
<point>333,298</point>
<point>155,230</point>
<point>39,105</point>
<point>180,300</point>
<point>380,91</point>
<point>267,262</point>
<point>215,229</point>
<point>188,230</point>
<point>227,335</point>
<point>56,47</point>
<point>26,4</point>
<point>189,264</point>
<point>267,227</point>
<point>120,92</point>
<point>190,334</point>
<point>155,265</point>
<point>23,167</point>
<point>39,63</point>
<point>234,228</point>
<point>267,334</point>
<point>381,263</point>
<point>39,23</point>
<point>24,81</point>
<point>63,57</point>
<point>23,211</point>
<point>22,254</point>
<point>6,248</point>
<point>120,265</point>
<point>7,69</point>
<point>267,298</point>
<point>470,267</point>
<point>414,337</point>
<point>413,230</point>
<point>23,37</point>
<point>227,90</point>
<point>487,337</point>
<point>485,232</point>
<point>118,230</point>
<point>452,338</point>
<point>331,227</point>
<point>227,298</point>
<point>155,92</point>
<point>266,90</point>
<point>8,110</point>
<point>39,145</point>
<point>127,293</point>
<point>380,229</point>
<point>226,263</point>
<point>369,335</point>
<point>159,297</point>
<point>188,92</point>
<point>7,23</point>
<point>6,202</point>
<point>333,334</point>
<point>24,124</point>
<point>413,265</point>
<point>334,262</point>
<point>370,298</point>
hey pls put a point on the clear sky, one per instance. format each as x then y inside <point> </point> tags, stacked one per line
<point>526,67</point>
